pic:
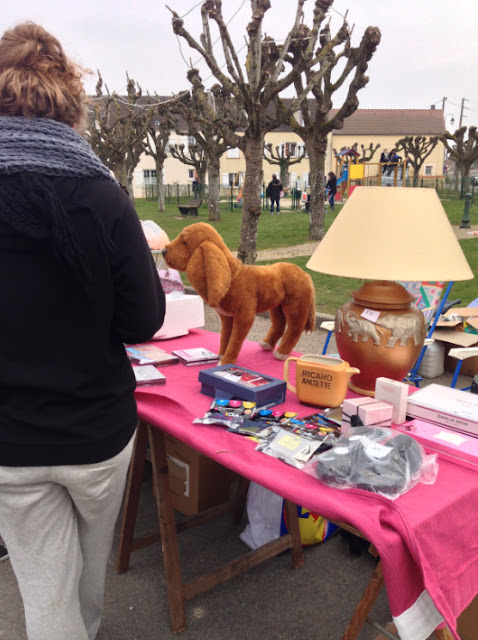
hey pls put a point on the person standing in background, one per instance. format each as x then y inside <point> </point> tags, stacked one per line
<point>274,190</point>
<point>331,189</point>
<point>384,160</point>
<point>81,283</point>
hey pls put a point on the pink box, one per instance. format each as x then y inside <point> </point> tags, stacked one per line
<point>350,408</point>
<point>449,445</point>
<point>376,414</point>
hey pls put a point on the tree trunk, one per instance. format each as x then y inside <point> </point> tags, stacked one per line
<point>129,186</point>
<point>284,174</point>
<point>416,174</point>
<point>160,185</point>
<point>465,180</point>
<point>317,187</point>
<point>121,174</point>
<point>213,173</point>
<point>251,200</point>
<point>202,179</point>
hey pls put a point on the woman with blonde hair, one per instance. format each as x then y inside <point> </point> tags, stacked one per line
<point>78,282</point>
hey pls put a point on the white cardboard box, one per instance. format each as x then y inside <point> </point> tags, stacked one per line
<point>182,313</point>
<point>395,393</point>
<point>452,408</point>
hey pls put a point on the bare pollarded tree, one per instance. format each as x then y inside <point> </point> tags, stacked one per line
<point>338,63</point>
<point>155,143</point>
<point>191,155</point>
<point>213,117</point>
<point>462,146</point>
<point>367,152</point>
<point>257,85</point>
<point>284,156</point>
<point>417,149</point>
<point>117,130</point>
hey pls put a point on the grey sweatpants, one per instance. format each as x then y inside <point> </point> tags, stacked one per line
<point>58,524</point>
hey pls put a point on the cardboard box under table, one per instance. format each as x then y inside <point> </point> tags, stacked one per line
<point>196,482</point>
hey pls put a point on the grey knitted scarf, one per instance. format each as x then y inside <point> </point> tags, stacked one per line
<point>32,152</point>
<point>44,146</point>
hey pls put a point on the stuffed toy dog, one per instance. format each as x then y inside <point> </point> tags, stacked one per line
<point>238,291</point>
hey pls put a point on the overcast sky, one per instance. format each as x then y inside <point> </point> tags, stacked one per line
<point>429,48</point>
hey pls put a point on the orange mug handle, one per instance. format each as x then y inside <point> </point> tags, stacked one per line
<point>286,373</point>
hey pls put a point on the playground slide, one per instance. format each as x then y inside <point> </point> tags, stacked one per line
<point>343,177</point>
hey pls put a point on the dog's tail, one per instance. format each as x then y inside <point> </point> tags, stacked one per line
<point>311,319</point>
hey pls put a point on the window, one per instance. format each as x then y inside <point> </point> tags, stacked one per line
<point>290,149</point>
<point>301,150</point>
<point>191,140</point>
<point>149,176</point>
<point>305,179</point>
<point>236,179</point>
<point>232,153</point>
<point>428,169</point>
<point>191,173</point>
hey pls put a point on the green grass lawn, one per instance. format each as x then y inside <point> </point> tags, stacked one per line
<point>291,228</point>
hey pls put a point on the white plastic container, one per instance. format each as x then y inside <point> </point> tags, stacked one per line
<point>433,363</point>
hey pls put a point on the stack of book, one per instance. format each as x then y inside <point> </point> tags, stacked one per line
<point>147,375</point>
<point>196,356</point>
<point>149,354</point>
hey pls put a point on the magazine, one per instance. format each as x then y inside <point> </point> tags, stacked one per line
<point>147,375</point>
<point>149,354</point>
<point>196,356</point>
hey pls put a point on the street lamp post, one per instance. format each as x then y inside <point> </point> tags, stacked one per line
<point>452,119</point>
<point>465,221</point>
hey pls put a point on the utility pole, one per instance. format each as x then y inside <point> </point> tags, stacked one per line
<point>461,111</point>
<point>443,100</point>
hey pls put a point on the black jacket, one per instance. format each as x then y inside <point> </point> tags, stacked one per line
<point>331,186</point>
<point>66,385</point>
<point>274,189</point>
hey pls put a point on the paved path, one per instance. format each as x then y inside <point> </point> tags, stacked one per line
<point>308,248</point>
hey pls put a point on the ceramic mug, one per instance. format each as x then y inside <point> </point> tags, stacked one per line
<point>320,380</point>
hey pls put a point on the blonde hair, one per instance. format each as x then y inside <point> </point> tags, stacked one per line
<point>36,78</point>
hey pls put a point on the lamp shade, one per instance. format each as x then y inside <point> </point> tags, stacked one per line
<point>392,233</point>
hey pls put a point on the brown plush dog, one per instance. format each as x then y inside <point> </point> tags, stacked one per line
<point>237,291</point>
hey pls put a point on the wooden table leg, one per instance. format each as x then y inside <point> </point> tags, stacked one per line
<point>296,551</point>
<point>365,605</point>
<point>133,491</point>
<point>167,527</point>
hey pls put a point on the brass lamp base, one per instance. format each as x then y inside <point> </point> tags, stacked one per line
<point>380,333</point>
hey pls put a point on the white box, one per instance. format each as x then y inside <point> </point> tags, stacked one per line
<point>452,408</point>
<point>376,414</point>
<point>350,408</point>
<point>395,393</point>
<point>182,313</point>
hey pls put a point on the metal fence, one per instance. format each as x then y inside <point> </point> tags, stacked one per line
<point>231,196</point>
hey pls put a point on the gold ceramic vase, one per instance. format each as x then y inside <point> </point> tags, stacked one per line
<point>380,333</point>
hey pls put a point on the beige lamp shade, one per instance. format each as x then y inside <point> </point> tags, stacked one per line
<point>392,233</point>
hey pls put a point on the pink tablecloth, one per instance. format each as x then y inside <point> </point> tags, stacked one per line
<point>427,539</point>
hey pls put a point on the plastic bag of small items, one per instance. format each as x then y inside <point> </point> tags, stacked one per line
<point>380,460</point>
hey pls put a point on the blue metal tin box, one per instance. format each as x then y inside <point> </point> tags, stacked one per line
<point>231,381</point>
